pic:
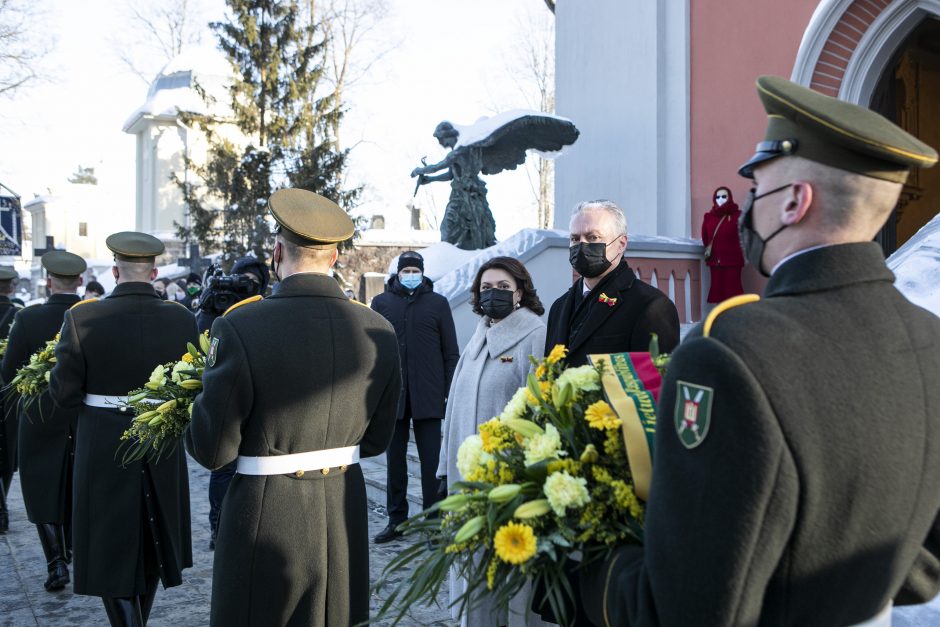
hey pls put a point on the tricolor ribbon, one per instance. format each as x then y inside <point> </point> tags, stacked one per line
<point>631,384</point>
<point>604,298</point>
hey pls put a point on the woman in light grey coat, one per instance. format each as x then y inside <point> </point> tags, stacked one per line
<point>493,365</point>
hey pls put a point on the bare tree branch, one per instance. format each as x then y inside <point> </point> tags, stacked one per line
<point>20,50</point>
<point>157,33</point>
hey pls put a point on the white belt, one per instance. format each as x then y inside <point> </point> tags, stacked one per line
<point>108,402</point>
<point>881,619</point>
<point>298,463</point>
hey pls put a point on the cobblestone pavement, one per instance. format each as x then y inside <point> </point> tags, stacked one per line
<point>24,602</point>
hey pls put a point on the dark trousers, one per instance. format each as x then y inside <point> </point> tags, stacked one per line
<point>428,438</point>
<point>218,486</point>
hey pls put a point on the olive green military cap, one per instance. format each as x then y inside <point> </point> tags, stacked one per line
<point>309,219</point>
<point>134,246</point>
<point>808,124</point>
<point>64,264</point>
<point>7,273</point>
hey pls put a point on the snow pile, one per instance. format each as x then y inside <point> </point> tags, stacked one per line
<point>916,265</point>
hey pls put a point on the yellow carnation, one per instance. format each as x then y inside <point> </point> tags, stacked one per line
<point>601,416</point>
<point>468,455</point>
<point>582,378</point>
<point>564,491</point>
<point>515,543</point>
<point>516,406</point>
<point>187,358</point>
<point>544,446</point>
<point>557,354</point>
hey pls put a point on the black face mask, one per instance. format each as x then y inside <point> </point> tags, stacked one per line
<point>751,242</point>
<point>589,259</point>
<point>496,303</point>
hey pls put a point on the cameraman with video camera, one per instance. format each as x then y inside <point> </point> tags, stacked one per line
<point>249,278</point>
<point>220,291</point>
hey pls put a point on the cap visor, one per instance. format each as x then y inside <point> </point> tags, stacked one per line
<point>747,170</point>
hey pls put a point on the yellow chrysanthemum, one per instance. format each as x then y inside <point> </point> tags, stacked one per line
<point>557,354</point>
<point>515,543</point>
<point>187,358</point>
<point>601,416</point>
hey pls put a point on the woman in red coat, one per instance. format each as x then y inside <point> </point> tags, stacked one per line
<point>720,229</point>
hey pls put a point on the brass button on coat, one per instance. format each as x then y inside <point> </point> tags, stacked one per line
<point>325,471</point>
<point>299,474</point>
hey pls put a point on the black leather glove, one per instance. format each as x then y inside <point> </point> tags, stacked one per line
<point>442,489</point>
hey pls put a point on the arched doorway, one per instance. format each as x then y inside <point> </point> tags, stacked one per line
<point>908,92</point>
<point>883,54</point>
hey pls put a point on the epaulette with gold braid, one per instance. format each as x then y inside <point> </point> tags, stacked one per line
<point>241,303</point>
<point>83,302</point>
<point>724,306</point>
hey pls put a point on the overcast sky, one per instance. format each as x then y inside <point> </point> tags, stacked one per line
<point>446,59</point>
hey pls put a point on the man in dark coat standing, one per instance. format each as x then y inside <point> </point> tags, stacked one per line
<point>796,476</point>
<point>45,437</point>
<point>427,342</point>
<point>297,387</point>
<point>131,525</point>
<point>607,310</point>
<point>8,426</point>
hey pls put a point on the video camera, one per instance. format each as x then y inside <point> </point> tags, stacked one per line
<point>220,291</point>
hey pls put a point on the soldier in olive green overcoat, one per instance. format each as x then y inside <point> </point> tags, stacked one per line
<point>297,387</point>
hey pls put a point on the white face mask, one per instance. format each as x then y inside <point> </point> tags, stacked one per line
<point>721,198</point>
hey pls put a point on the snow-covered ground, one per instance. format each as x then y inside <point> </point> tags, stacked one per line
<point>916,265</point>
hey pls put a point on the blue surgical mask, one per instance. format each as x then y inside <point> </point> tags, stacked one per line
<point>411,281</point>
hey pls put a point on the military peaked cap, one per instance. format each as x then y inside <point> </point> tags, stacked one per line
<point>7,273</point>
<point>309,219</point>
<point>808,124</point>
<point>64,264</point>
<point>134,246</point>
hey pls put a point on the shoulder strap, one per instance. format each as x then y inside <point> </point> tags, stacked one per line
<point>724,306</point>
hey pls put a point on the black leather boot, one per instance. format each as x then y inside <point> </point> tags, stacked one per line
<point>67,540</point>
<point>146,599</point>
<point>123,611</point>
<point>50,535</point>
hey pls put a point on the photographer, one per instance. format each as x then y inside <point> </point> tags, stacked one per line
<point>249,278</point>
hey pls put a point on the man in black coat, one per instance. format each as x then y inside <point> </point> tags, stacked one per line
<point>607,310</point>
<point>427,342</point>
<point>796,476</point>
<point>131,525</point>
<point>8,426</point>
<point>297,388</point>
<point>46,437</point>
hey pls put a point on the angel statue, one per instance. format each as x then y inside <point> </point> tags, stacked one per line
<point>489,146</point>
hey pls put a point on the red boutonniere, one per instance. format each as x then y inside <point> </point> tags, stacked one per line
<point>506,359</point>
<point>604,298</point>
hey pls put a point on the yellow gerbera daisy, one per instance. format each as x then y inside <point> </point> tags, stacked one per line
<point>557,354</point>
<point>600,416</point>
<point>514,543</point>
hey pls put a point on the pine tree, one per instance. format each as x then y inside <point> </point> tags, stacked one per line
<point>278,64</point>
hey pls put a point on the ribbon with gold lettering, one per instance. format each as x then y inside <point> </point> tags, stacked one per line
<point>631,384</point>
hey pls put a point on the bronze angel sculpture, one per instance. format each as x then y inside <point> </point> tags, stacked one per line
<point>489,146</point>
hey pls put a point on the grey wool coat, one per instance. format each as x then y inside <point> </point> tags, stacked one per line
<point>494,364</point>
<point>305,369</point>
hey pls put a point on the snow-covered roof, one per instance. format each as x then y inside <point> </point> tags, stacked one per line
<point>916,265</point>
<point>173,89</point>
<point>397,237</point>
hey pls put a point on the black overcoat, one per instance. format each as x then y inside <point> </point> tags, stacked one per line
<point>109,347</point>
<point>9,426</point>
<point>305,369</point>
<point>427,344</point>
<point>604,327</point>
<point>812,497</point>
<point>45,438</point>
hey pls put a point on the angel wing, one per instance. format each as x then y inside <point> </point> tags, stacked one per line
<point>505,138</point>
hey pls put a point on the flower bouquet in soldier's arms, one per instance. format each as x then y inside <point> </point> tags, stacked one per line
<point>552,484</point>
<point>32,379</point>
<point>163,407</point>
